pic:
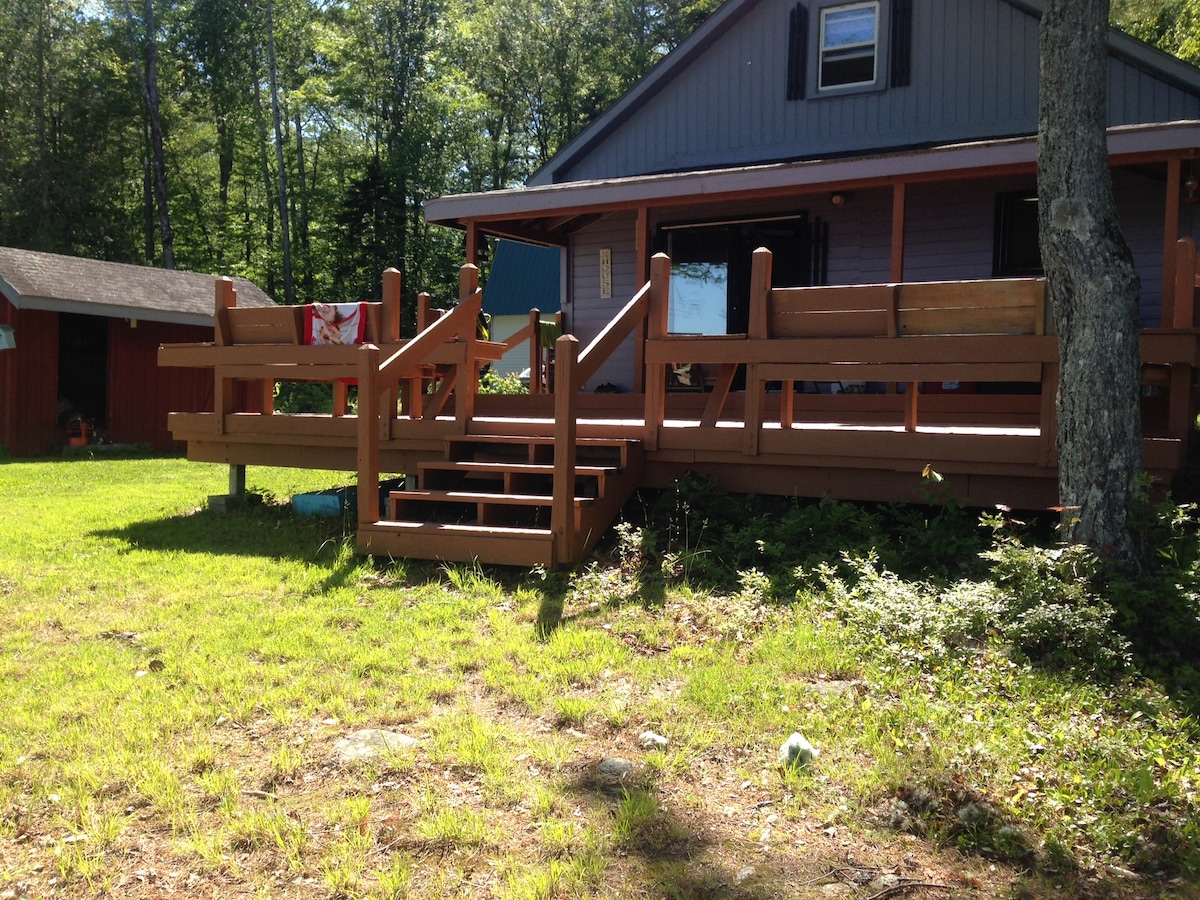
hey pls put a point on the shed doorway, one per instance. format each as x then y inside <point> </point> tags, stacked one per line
<point>82,369</point>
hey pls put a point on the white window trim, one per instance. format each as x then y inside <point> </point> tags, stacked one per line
<point>875,45</point>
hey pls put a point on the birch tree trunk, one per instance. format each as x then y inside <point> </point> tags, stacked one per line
<point>1091,281</point>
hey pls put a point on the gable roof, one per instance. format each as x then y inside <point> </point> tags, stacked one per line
<point>49,281</point>
<point>523,277</point>
<point>718,99</point>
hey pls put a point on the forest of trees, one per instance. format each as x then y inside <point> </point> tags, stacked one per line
<point>294,142</point>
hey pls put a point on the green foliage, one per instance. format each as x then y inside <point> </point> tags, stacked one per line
<point>493,383</point>
<point>1054,610</point>
<point>303,397</point>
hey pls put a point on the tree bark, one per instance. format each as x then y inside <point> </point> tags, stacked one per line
<point>148,81</point>
<point>285,241</point>
<point>1091,282</point>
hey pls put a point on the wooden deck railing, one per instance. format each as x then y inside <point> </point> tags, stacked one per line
<point>534,334</point>
<point>572,371</point>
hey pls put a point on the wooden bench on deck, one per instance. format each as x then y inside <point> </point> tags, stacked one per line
<point>966,331</point>
<point>263,346</point>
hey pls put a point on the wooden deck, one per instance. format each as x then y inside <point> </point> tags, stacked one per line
<point>537,479</point>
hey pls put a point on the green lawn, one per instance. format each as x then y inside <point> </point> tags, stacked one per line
<point>174,682</point>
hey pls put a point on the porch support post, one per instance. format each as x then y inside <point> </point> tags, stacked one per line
<point>468,380</point>
<point>1170,236</point>
<point>899,200</point>
<point>898,203</point>
<point>474,240</point>
<point>757,330</point>
<point>642,239</point>
<point>656,330</point>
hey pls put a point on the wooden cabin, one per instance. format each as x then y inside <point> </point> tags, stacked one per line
<point>803,250</point>
<point>86,335</point>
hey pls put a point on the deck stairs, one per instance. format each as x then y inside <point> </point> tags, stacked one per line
<point>490,499</point>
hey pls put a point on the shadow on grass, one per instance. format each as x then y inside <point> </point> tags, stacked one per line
<point>673,859</point>
<point>251,528</point>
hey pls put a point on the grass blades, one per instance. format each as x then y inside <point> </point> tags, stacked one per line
<point>175,680</point>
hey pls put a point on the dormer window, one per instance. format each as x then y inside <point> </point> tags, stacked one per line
<point>849,45</point>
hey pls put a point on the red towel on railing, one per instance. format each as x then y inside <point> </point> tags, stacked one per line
<point>335,323</point>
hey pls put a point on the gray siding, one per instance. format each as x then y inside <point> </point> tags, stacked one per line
<point>585,312</point>
<point>974,75</point>
<point>950,233</point>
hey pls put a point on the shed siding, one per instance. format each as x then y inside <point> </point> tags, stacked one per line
<point>974,76</point>
<point>29,382</point>
<point>140,393</point>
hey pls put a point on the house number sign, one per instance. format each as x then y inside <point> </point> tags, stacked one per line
<point>605,274</point>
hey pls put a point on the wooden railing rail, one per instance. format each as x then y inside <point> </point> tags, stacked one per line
<point>539,353</point>
<point>613,335</point>
<point>970,331</point>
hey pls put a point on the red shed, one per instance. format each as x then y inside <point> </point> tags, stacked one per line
<point>79,341</point>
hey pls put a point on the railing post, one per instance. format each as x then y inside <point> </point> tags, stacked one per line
<point>536,353</point>
<point>566,406</point>
<point>226,299</point>
<point>756,330</point>
<point>656,330</point>
<point>393,281</point>
<point>368,435</point>
<point>468,378</point>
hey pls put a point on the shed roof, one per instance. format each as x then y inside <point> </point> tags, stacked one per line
<point>523,277</point>
<point>49,281</point>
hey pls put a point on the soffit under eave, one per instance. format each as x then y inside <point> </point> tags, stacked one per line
<point>110,311</point>
<point>530,208</point>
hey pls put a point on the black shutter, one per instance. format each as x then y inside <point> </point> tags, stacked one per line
<point>901,40</point>
<point>797,52</point>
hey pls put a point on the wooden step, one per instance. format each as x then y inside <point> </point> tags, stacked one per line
<point>494,447</point>
<point>510,477</point>
<point>478,507</point>
<point>491,500</point>
<point>526,547</point>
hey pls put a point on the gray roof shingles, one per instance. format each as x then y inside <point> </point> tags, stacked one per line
<point>49,281</point>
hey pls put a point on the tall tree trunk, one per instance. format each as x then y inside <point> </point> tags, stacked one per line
<point>226,147</point>
<point>265,166</point>
<point>285,243</point>
<point>148,80</point>
<point>1092,283</point>
<point>309,279</point>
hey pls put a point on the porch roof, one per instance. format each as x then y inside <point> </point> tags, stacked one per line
<point>548,213</point>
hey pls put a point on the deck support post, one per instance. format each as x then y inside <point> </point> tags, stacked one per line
<point>562,510</point>
<point>237,479</point>
<point>656,329</point>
